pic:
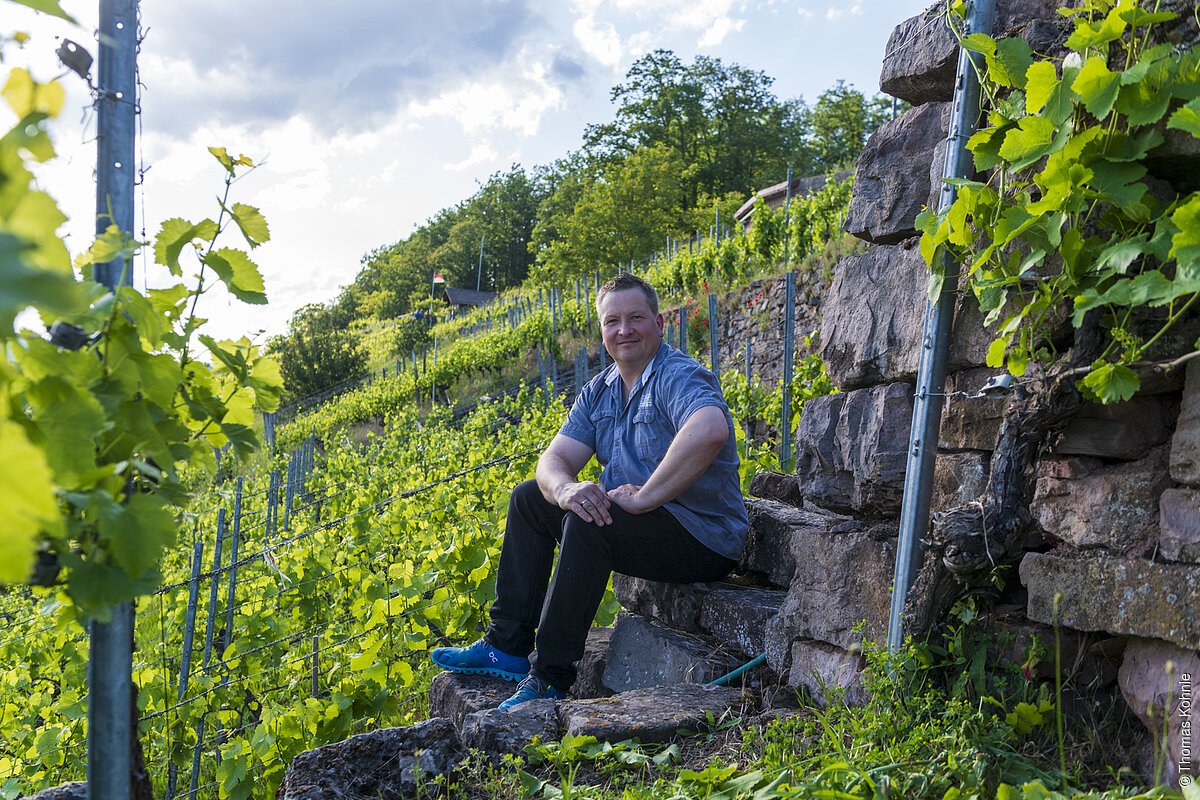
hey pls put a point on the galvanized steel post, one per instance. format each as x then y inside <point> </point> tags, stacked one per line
<point>935,342</point>
<point>713,354</point>
<point>110,659</point>
<point>789,348</point>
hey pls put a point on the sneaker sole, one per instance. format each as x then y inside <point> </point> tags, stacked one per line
<point>516,677</point>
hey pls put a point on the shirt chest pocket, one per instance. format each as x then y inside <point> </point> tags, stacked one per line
<point>651,434</point>
<point>607,433</point>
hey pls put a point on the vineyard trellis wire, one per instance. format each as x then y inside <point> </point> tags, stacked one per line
<point>260,653</point>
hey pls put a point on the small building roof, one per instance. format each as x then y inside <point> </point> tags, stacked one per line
<point>466,297</point>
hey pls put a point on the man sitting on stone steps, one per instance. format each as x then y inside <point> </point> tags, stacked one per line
<point>668,506</point>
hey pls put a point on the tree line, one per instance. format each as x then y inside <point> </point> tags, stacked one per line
<point>686,140</point>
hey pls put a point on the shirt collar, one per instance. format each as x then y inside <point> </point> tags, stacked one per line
<point>614,374</point>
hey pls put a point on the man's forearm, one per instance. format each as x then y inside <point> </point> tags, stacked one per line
<point>695,446</point>
<point>551,474</point>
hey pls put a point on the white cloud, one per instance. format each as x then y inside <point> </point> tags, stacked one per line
<point>600,41</point>
<point>834,13</point>
<point>805,13</point>
<point>721,28</point>
<point>481,153</point>
<point>515,98</point>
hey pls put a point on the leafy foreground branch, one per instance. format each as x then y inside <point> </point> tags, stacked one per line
<point>99,423</point>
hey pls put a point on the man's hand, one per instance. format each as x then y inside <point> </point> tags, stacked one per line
<point>627,496</point>
<point>585,499</point>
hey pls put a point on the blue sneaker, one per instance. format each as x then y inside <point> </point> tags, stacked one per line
<point>481,659</point>
<point>532,688</point>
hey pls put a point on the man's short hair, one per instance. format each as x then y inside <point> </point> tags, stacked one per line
<point>629,281</point>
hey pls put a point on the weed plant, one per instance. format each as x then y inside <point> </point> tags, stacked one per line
<point>942,720</point>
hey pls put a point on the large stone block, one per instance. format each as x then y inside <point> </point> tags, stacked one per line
<point>1118,595</point>
<point>506,732</point>
<point>921,57</point>
<point>1088,504</point>
<point>841,580</point>
<point>676,605</point>
<point>393,762</point>
<point>777,487</point>
<point>1157,694</point>
<point>455,696</point>
<point>649,715</point>
<point>1185,446</point>
<point>824,670</point>
<point>1179,525</point>
<point>589,681</point>
<point>959,478</point>
<point>644,654</point>
<point>768,552</point>
<point>891,178</point>
<point>851,449</point>
<point>1126,430</point>
<point>971,422</point>
<point>871,328</point>
<point>737,616</point>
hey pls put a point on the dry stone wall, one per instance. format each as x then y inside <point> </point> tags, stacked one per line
<point>1114,547</point>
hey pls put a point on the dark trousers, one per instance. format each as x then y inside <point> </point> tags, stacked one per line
<point>556,613</point>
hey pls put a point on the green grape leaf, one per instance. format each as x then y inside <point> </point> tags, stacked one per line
<point>244,439</point>
<point>229,162</point>
<point>1011,62</point>
<point>979,43</point>
<point>135,532</point>
<point>1097,86</point>
<point>996,351</point>
<point>50,7</point>
<point>1137,17</point>
<point>69,419</point>
<point>266,378</point>
<point>1041,79</point>
<point>238,273</point>
<point>1187,118</point>
<point>1119,182</point>
<point>26,97</point>
<point>1153,289</point>
<point>151,323</point>
<point>35,218</point>
<point>1185,245</point>
<point>1144,95</point>
<point>1121,253</point>
<point>27,502</point>
<point>985,146</point>
<point>1033,138</point>
<point>173,235</point>
<point>169,301</point>
<point>22,286</point>
<point>1110,383</point>
<point>252,223</point>
<point>1088,34</point>
<point>96,588</point>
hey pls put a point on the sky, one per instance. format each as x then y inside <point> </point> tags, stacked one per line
<point>370,116</point>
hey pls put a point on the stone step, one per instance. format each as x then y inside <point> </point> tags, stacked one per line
<point>649,715</point>
<point>733,614</point>
<point>644,653</point>
<point>455,696</point>
<point>392,762</point>
<point>768,554</point>
<point>737,616</point>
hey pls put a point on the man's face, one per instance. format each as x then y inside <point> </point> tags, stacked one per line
<point>631,332</point>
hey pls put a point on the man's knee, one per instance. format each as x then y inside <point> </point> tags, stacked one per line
<point>526,494</point>
<point>585,536</point>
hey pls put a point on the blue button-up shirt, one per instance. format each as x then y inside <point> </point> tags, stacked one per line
<point>630,438</point>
